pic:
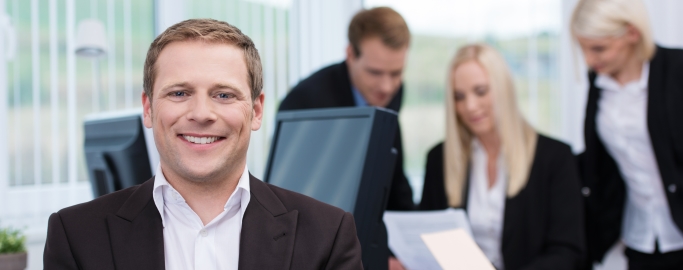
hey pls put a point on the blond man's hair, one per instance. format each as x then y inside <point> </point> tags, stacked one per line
<point>611,18</point>
<point>382,22</point>
<point>206,30</point>
<point>518,138</point>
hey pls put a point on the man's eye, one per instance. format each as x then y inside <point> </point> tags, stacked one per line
<point>375,72</point>
<point>224,96</point>
<point>598,49</point>
<point>178,94</point>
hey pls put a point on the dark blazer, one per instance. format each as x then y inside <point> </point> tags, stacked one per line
<point>280,230</point>
<point>542,226</point>
<point>331,87</point>
<point>603,187</point>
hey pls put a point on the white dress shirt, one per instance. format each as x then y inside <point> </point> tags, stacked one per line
<point>622,127</point>
<point>188,244</point>
<point>485,207</point>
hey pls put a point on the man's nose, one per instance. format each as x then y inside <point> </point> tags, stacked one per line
<point>202,109</point>
<point>386,84</point>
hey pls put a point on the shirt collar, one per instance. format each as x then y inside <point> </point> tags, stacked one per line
<point>360,101</point>
<point>608,83</point>
<point>242,191</point>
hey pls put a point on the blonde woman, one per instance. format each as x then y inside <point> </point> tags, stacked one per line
<point>632,167</point>
<point>520,189</point>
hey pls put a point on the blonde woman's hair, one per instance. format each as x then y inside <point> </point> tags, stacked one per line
<point>518,138</point>
<point>611,18</point>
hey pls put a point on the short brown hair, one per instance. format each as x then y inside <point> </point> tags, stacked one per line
<point>382,22</point>
<point>207,30</point>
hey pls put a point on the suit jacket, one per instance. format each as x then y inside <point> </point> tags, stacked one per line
<point>280,230</point>
<point>331,87</point>
<point>603,187</point>
<point>542,227</point>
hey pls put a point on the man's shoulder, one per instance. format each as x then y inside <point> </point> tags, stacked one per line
<point>329,75</point>
<point>328,87</point>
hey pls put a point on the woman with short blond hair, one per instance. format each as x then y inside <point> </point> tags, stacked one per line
<point>632,167</point>
<point>520,189</point>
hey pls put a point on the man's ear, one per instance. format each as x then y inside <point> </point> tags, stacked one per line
<point>146,110</point>
<point>350,53</point>
<point>257,112</point>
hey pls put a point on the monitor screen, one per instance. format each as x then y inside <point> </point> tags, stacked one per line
<point>116,151</point>
<point>343,157</point>
<point>331,150</point>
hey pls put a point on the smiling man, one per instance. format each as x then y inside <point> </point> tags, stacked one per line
<point>202,210</point>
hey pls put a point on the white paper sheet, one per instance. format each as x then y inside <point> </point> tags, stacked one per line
<point>404,230</point>
<point>455,249</point>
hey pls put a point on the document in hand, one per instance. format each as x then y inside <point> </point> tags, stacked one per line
<point>455,249</point>
<point>405,230</point>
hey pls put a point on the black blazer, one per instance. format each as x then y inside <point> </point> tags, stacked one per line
<point>280,230</point>
<point>603,188</point>
<point>542,226</point>
<point>331,87</point>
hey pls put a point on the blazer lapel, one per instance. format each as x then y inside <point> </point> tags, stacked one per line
<point>268,230</point>
<point>656,109</point>
<point>136,232</point>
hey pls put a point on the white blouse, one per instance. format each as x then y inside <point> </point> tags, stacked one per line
<point>485,207</point>
<point>622,126</point>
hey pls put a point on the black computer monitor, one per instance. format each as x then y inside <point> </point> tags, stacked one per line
<point>116,152</point>
<point>343,157</point>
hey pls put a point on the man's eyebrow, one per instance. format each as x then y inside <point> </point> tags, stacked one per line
<point>224,86</point>
<point>180,84</point>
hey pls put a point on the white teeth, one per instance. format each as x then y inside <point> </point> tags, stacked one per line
<point>200,140</point>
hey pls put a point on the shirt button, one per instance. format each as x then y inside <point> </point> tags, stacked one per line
<point>586,191</point>
<point>672,188</point>
<point>203,233</point>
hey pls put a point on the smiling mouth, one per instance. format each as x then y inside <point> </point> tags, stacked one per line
<point>202,140</point>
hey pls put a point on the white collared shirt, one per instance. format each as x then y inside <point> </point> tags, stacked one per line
<point>485,207</point>
<point>622,127</point>
<point>188,244</point>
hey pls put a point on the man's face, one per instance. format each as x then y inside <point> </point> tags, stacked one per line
<point>202,112</point>
<point>377,72</point>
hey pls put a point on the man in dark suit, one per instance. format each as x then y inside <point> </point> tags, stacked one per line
<point>202,210</point>
<point>370,76</point>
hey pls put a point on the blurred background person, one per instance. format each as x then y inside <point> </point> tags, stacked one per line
<point>371,76</point>
<point>632,166</point>
<point>519,188</point>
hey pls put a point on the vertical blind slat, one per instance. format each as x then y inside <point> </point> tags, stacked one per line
<point>281,55</point>
<point>127,54</point>
<point>54,93</point>
<point>18,158</point>
<point>111,54</point>
<point>4,162</point>
<point>71,92</point>
<point>35,70</point>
